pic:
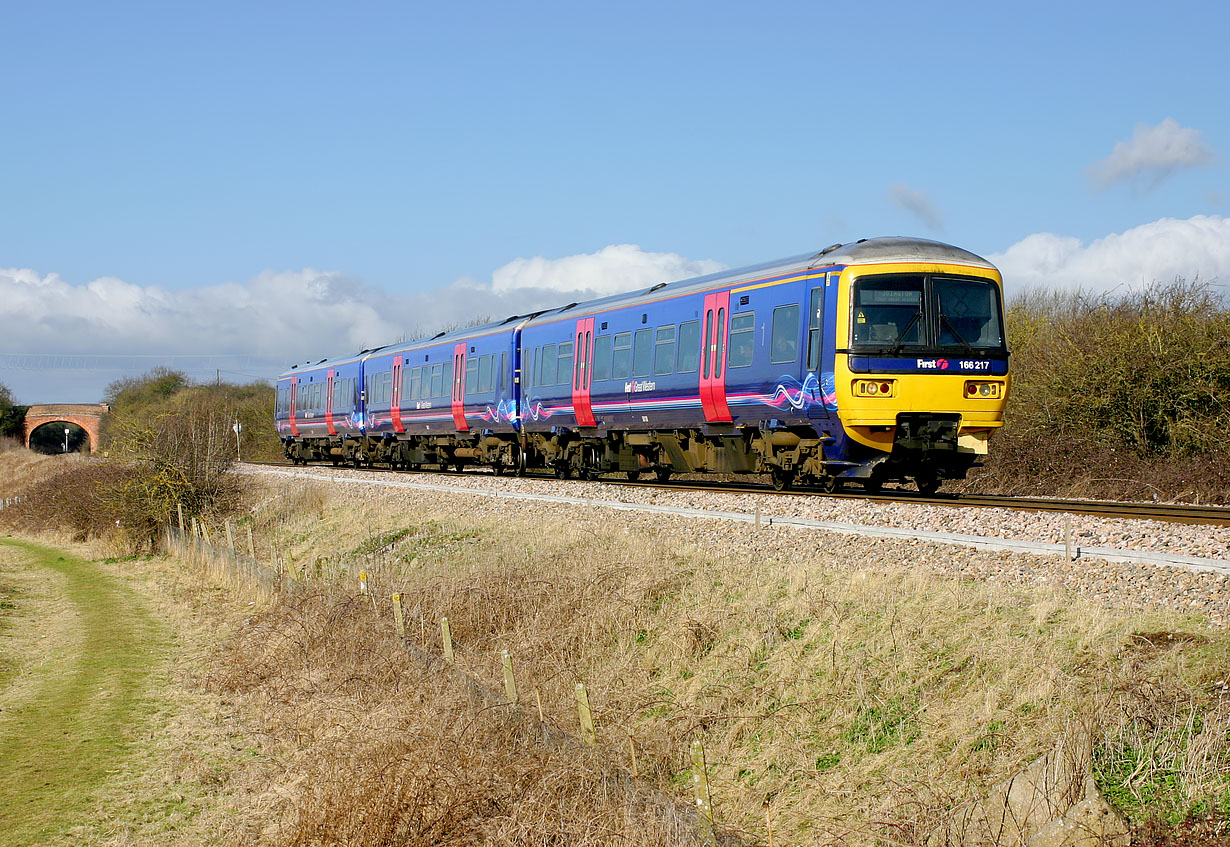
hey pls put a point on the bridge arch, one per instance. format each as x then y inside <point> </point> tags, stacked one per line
<point>86,416</point>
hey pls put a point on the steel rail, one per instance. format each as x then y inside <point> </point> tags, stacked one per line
<point>1165,512</point>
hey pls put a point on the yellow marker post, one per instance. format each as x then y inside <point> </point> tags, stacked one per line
<point>704,802</point>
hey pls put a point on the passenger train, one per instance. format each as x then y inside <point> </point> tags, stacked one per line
<point>875,361</point>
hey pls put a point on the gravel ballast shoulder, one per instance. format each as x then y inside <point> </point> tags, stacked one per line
<point>1203,591</point>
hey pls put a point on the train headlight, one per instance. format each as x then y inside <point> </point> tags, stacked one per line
<point>983,390</point>
<point>875,387</point>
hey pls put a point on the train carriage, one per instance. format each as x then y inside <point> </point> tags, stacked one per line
<point>879,360</point>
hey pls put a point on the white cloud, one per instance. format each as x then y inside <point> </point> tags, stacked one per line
<point>281,317</point>
<point>1153,252</point>
<point>1153,153</point>
<point>619,267</point>
<point>917,204</point>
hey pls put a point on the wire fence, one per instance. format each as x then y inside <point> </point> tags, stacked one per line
<point>230,556</point>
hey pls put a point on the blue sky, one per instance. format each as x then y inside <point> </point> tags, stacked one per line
<point>406,153</point>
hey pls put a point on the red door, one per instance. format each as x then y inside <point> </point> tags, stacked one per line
<point>582,376</point>
<point>715,322</point>
<point>396,401</point>
<point>329,403</point>
<point>294,392</point>
<point>459,388</point>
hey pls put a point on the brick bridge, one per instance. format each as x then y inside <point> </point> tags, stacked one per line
<point>87,416</point>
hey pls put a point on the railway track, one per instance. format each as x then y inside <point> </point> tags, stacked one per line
<point>1167,512</point>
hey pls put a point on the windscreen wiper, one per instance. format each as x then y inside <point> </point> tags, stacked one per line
<point>944,320</point>
<point>896,348</point>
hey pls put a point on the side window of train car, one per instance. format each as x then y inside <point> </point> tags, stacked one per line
<point>742,336</point>
<point>689,348</point>
<point>621,364</point>
<point>664,351</point>
<point>642,353</point>
<point>813,328</point>
<point>484,374</point>
<point>416,377</point>
<point>784,341</point>
<point>546,366</point>
<point>602,357</point>
<point>437,381</point>
<point>563,373</point>
<point>500,385</point>
<point>472,381</point>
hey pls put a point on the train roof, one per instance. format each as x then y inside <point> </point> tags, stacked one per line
<point>868,251</point>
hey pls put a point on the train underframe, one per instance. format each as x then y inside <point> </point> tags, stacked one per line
<point>925,450</point>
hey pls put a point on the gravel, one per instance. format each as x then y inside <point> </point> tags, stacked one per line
<point>1113,583</point>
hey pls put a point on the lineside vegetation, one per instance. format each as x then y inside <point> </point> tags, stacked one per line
<point>1117,395</point>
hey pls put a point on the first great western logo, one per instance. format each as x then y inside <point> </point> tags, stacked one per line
<point>932,364</point>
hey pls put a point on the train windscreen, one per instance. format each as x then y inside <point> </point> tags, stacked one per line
<point>913,312</point>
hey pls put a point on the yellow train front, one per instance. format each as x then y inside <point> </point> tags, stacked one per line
<point>920,361</point>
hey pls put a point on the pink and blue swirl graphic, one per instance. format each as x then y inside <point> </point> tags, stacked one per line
<point>803,395</point>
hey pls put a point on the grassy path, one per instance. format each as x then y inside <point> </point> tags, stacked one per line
<point>81,648</point>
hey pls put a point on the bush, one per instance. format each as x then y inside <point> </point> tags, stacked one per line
<point>1116,395</point>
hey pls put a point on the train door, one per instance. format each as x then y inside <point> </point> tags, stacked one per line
<point>294,396</point>
<point>395,402</point>
<point>459,387</point>
<point>813,380</point>
<point>329,402</point>
<point>582,376</point>
<point>715,326</point>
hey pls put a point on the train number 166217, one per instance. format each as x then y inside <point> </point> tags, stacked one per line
<point>974,365</point>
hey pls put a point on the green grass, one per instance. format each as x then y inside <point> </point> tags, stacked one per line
<point>70,713</point>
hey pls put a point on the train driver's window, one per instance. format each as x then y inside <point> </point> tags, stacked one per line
<point>742,337</point>
<point>621,364</point>
<point>888,311</point>
<point>602,357</point>
<point>688,359</point>
<point>785,338</point>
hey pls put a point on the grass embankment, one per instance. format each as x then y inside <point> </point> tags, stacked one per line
<point>842,692</point>
<point>80,648</point>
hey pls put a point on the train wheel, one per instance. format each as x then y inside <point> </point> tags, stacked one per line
<point>634,475</point>
<point>782,479</point>
<point>928,484</point>
<point>563,471</point>
<point>872,486</point>
<point>356,462</point>
<point>663,474</point>
<point>521,463</point>
<point>498,468</point>
<point>827,483</point>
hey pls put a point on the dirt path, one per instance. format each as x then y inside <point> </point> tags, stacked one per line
<point>78,648</point>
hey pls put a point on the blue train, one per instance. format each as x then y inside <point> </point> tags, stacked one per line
<point>881,360</point>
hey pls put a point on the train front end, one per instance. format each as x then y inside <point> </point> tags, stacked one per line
<point>923,379</point>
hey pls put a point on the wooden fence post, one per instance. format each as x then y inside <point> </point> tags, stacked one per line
<point>179,507</point>
<point>704,802</point>
<point>251,544</point>
<point>510,682</point>
<point>446,635</point>
<point>397,616</point>
<point>586,716</point>
<point>230,537</point>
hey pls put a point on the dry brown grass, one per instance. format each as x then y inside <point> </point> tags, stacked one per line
<point>840,688</point>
